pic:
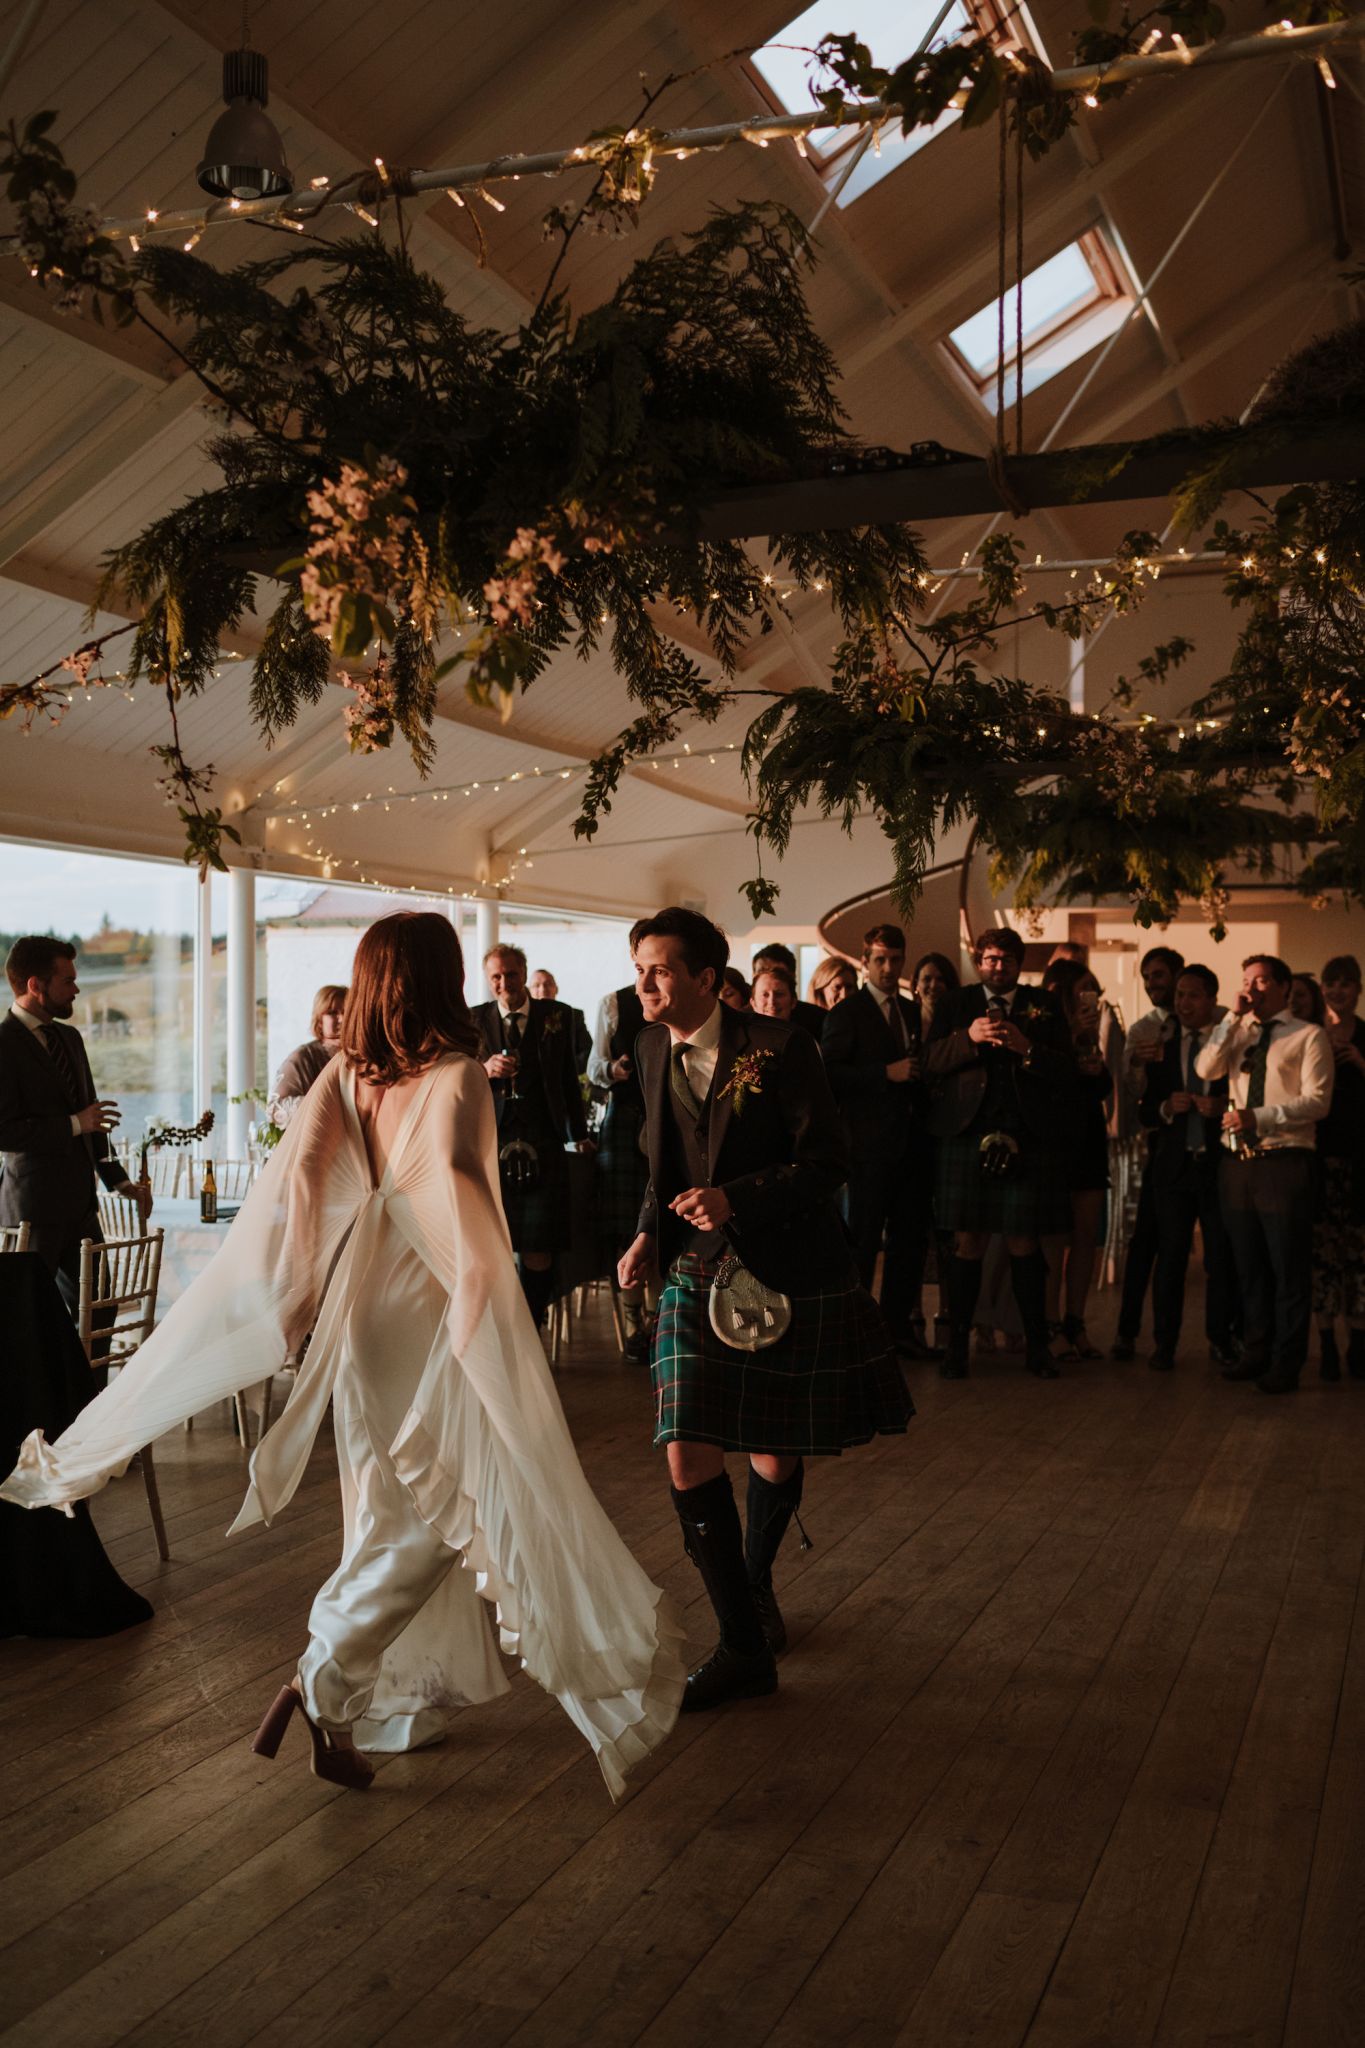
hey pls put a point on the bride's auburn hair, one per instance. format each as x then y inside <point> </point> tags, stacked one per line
<point>406,1006</point>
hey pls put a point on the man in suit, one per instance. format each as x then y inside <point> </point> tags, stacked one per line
<point>1280,1071</point>
<point>529,1056</point>
<point>1183,1116</point>
<point>622,1171</point>
<point>872,1046</point>
<point>53,1127</point>
<point>746,1156</point>
<point>545,989</point>
<point>1144,1047</point>
<point>808,1016</point>
<point>997,1052</point>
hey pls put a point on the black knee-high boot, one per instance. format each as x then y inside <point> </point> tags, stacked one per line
<point>741,1665</point>
<point>768,1512</point>
<point>964,1288</point>
<point>1028,1274</point>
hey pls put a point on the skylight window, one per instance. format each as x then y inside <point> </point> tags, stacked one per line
<point>1072,303</point>
<point>893,30</point>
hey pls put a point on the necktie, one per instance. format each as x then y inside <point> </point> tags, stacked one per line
<point>512,1030</point>
<point>897,1024</point>
<point>681,1086</point>
<point>65,1065</point>
<point>1194,1123</point>
<point>1256,1069</point>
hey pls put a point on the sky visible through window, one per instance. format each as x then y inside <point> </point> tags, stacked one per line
<point>892,30</point>
<point>1065,284</point>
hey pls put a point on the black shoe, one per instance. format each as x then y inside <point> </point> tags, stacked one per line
<point>1278,1383</point>
<point>1057,1334</point>
<point>1162,1361</point>
<point>913,1343</point>
<point>729,1675</point>
<point>1042,1365</point>
<point>1223,1354</point>
<point>1329,1356</point>
<point>1245,1369</point>
<point>1123,1349</point>
<point>636,1348</point>
<point>770,1616</point>
<point>951,1368</point>
<point>1075,1332</point>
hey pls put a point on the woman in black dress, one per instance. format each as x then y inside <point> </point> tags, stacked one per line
<point>1339,1227</point>
<point>1082,1112</point>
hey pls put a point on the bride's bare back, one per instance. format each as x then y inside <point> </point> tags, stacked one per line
<point>381,1111</point>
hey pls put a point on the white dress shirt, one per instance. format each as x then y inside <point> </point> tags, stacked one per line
<point>1300,1074</point>
<point>701,1054</point>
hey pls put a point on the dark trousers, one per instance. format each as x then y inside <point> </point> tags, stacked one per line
<point>893,1200</point>
<point>1186,1193</point>
<point>1267,1206</point>
<point>1141,1258</point>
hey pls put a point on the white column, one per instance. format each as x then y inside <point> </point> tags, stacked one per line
<point>201,1082</point>
<point>485,932</point>
<point>1076,676</point>
<point>241,1005</point>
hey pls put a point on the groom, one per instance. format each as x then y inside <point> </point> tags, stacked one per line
<point>746,1155</point>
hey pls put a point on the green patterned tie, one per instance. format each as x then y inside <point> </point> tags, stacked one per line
<point>682,1087</point>
<point>1256,1069</point>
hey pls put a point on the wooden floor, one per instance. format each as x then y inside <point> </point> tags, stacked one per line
<point>1070,1749</point>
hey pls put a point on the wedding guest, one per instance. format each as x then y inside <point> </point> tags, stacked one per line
<point>1144,1048</point>
<point>1083,1092</point>
<point>932,978</point>
<point>54,1129</point>
<point>1339,1230</point>
<point>1280,1072</point>
<point>1306,999</point>
<point>1183,1115</point>
<point>746,1156</point>
<point>545,989</point>
<point>773,993</point>
<point>622,1172</point>
<point>832,981</point>
<point>997,1051</point>
<point>808,1015</point>
<point>468,1525</point>
<point>734,989</point>
<point>301,1067</point>
<point>528,1055</point>
<point>873,1048</point>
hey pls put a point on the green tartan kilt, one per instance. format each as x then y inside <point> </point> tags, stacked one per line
<point>539,1217</point>
<point>831,1381</point>
<point>1032,1201</point>
<point>621,1180</point>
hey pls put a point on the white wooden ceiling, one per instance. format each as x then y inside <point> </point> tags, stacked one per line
<point>98,433</point>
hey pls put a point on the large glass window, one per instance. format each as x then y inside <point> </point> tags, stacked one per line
<point>1072,303</point>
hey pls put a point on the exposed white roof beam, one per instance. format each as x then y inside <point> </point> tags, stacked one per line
<point>138,357</point>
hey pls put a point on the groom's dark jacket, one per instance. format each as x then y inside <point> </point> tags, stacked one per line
<point>780,1153</point>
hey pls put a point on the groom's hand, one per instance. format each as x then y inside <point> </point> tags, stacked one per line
<point>634,1265</point>
<point>703,1208</point>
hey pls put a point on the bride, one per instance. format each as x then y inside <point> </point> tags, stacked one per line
<point>377,1226</point>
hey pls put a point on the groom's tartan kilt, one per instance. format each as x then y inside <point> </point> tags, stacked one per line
<point>831,1381</point>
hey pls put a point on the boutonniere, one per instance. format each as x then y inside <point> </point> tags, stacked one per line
<point>746,1078</point>
<point>552,1021</point>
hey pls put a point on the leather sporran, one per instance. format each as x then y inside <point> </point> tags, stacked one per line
<point>745,1314</point>
<point>999,1153</point>
<point>518,1167</point>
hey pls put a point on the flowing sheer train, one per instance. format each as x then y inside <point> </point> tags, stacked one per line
<point>453,1447</point>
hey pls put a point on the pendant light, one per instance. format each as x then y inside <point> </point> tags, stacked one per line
<point>244,156</point>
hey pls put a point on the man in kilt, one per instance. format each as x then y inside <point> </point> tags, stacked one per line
<point>622,1171</point>
<point>528,1055</point>
<point>746,1155</point>
<point>997,1052</point>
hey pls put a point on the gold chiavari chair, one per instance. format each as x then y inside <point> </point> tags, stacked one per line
<point>117,1309</point>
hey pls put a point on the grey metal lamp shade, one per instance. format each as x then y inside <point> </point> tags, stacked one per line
<point>244,156</point>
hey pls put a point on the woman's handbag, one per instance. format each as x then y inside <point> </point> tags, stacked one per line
<point>745,1314</point>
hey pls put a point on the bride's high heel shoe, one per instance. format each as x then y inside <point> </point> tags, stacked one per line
<point>340,1766</point>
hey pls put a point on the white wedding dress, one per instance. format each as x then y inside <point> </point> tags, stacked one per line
<point>452,1444</point>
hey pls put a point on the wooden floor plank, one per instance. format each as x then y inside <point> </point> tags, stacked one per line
<point>1067,1751</point>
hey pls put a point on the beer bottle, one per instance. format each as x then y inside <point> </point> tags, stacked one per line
<point>208,1195</point>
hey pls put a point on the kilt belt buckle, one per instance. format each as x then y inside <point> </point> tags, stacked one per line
<point>999,1153</point>
<point>744,1313</point>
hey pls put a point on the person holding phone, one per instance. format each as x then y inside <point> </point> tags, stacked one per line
<point>1280,1072</point>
